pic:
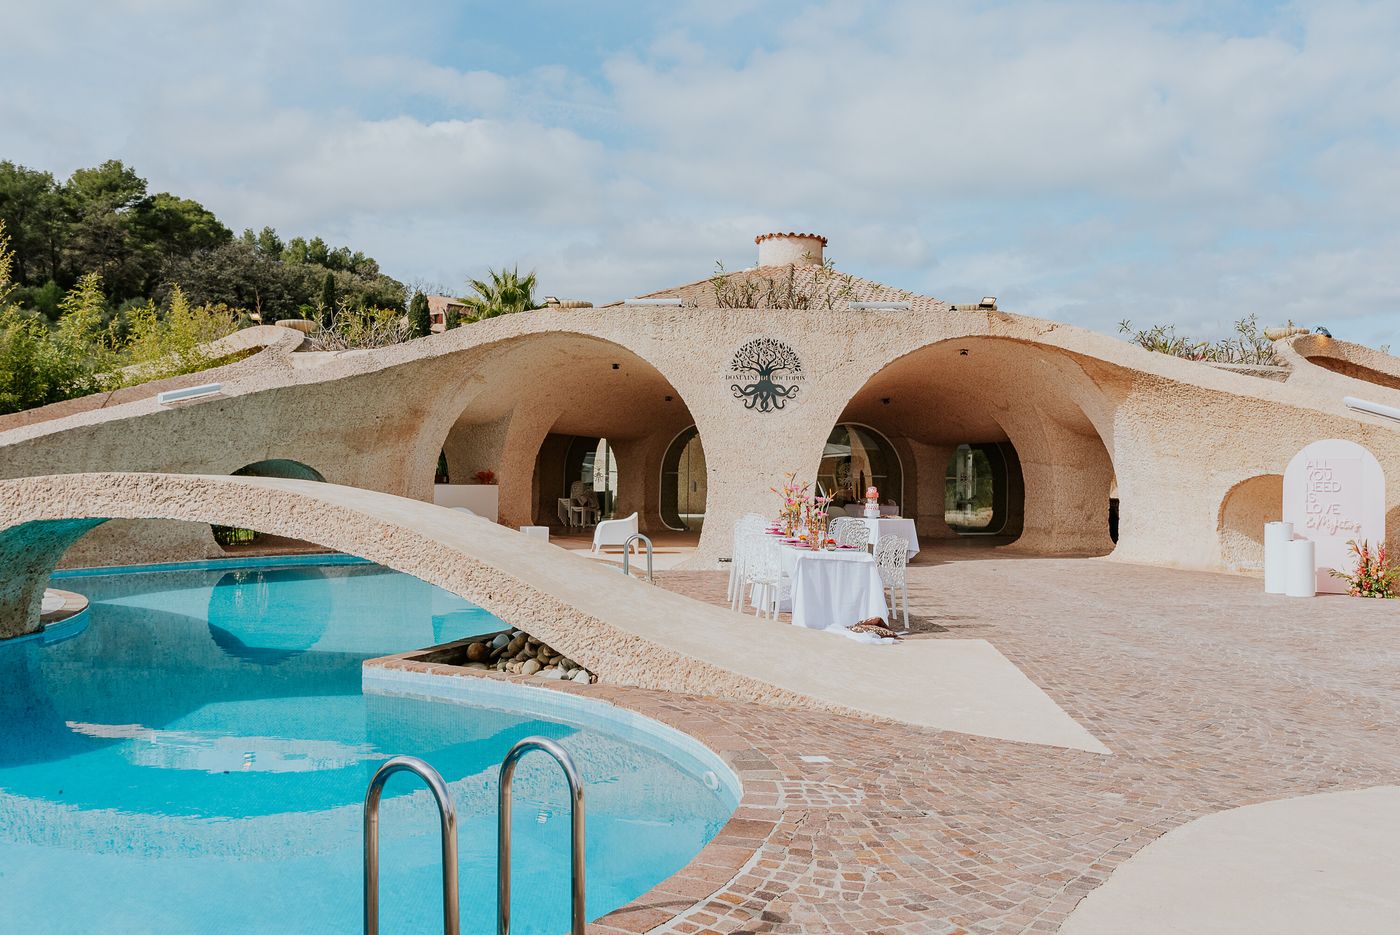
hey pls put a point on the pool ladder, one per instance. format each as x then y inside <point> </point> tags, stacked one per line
<point>627,555</point>
<point>447,816</point>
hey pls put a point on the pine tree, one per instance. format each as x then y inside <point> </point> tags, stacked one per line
<point>328,300</point>
<point>420,322</point>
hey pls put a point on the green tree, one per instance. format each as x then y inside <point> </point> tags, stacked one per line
<point>507,292</point>
<point>103,234</point>
<point>269,244</point>
<point>240,276</point>
<point>419,320</point>
<point>32,209</point>
<point>173,226</point>
<point>327,299</point>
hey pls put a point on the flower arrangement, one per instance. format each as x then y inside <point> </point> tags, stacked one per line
<point>1374,576</point>
<point>485,477</point>
<point>794,501</point>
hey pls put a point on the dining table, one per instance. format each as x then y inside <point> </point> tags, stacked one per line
<point>830,588</point>
<point>900,526</point>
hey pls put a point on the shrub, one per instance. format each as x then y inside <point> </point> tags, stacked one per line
<point>1248,346</point>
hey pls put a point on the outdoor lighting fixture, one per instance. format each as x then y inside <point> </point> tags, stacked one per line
<point>617,366</point>
<point>189,392</point>
<point>962,352</point>
<point>885,400</point>
<point>674,303</point>
<point>668,399</point>
<point>988,301</point>
<point>881,306</point>
<point>1375,409</point>
<point>1323,331</point>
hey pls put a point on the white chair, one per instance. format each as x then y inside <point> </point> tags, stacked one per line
<point>614,532</point>
<point>564,507</point>
<point>854,533</point>
<point>765,574</point>
<point>837,525</point>
<point>745,529</point>
<point>892,560</point>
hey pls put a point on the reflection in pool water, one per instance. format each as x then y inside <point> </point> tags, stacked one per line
<point>197,757</point>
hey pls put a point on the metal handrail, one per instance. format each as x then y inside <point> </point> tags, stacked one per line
<point>447,815</point>
<point>627,555</point>
<point>566,763</point>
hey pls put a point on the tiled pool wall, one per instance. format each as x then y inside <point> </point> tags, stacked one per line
<point>635,729</point>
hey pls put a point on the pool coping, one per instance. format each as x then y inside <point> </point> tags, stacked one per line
<point>708,886</point>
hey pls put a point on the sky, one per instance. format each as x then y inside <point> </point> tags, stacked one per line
<point>1185,163</point>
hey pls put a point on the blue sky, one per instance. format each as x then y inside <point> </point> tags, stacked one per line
<point>1174,162</point>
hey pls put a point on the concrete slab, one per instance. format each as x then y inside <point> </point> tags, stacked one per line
<point>1317,863</point>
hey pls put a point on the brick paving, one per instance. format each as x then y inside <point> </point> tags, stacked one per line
<point>1210,694</point>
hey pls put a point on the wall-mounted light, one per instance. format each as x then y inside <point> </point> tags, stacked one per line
<point>888,306</point>
<point>885,400</point>
<point>669,398</point>
<point>617,366</point>
<point>962,352</point>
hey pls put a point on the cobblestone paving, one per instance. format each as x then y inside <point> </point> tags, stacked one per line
<point>1210,695</point>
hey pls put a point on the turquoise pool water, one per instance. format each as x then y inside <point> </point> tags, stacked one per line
<point>194,759</point>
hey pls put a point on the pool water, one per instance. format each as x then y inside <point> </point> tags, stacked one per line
<point>194,759</point>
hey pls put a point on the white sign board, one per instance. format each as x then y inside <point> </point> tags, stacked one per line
<point>1333,492</point>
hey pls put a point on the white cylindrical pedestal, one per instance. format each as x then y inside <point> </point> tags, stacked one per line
<point>1300,568</point>
<point>536,532</point>
<point>1276,539</point>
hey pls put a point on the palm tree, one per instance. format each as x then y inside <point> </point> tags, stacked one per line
<point>506,292</point>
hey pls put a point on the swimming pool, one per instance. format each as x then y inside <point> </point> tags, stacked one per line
<point>194,759</point>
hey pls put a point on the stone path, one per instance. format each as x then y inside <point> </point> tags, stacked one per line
<point>1210,695</point>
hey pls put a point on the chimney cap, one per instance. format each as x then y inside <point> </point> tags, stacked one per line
<point>792,234</point>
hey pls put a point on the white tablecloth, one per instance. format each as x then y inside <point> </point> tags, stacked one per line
<point>893,526</point>
<point>833,589</point>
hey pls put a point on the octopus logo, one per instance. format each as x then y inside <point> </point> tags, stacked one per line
<point>764,374</point>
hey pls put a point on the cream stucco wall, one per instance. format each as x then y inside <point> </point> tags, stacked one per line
<point>1083,410</point>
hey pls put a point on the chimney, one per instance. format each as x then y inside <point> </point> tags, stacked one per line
<point>779,249</point>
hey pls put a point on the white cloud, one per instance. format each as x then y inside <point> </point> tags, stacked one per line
<point>1088,160</point>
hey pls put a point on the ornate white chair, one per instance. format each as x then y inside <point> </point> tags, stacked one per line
<point>765,573</point>
<point>741,551</point>
<point>853,533</point>
<point>838,523</point>
<point>892,560</point>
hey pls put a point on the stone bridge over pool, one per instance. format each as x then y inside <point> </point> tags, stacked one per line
<point>626,631</point>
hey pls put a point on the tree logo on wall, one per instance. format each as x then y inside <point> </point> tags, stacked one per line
<point>764,374</point>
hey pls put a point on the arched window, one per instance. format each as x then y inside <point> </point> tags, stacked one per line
<point>683,482</point>
<point>857,457</point>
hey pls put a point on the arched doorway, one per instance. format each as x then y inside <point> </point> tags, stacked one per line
<point>1001,443</point>
<point>855,458</point>
<point>684,483</point>
<point>545,411</point>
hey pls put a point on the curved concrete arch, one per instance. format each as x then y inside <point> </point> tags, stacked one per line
<point>985,389</point>
<point>626,631</point>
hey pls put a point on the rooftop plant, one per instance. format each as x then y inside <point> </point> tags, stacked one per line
<point>503,292</point>
<point>824,288</point>
<point>1248,345</point>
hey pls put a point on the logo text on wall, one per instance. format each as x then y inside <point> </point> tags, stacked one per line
<point>765,374</point>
